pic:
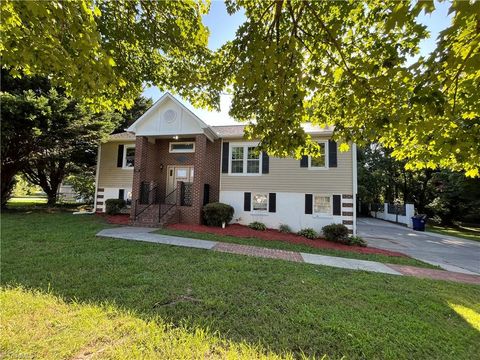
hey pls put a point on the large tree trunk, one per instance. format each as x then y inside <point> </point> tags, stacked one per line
<point>48,174</point>
<point>51,197</point>
<point>7,184</point>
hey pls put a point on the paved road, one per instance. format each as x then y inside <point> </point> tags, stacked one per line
<point>451,253</point>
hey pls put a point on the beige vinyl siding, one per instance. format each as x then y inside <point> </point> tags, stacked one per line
<point>109,174</point>
<point>286,175</point>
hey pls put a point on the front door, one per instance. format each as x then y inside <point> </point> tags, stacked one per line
<point>178,173</point>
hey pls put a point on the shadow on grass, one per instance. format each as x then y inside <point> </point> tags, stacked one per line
<point>87,330</point>
<point>283,306</point>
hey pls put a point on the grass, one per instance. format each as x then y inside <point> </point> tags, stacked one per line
<point>464,232</point>
<point>103,331</point>
<point>268,304</point>
<point>297,247</point>
<point>26,201</point>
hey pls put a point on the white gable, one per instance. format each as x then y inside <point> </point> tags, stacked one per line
<point>169,117</point>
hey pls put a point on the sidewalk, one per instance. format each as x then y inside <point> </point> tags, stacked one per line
<point>145,234</point>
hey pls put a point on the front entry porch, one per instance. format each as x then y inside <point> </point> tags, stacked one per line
<point>172,186</point>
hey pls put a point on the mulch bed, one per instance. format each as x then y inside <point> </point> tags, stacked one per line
<point>120,219</point>
<point>272,234</point>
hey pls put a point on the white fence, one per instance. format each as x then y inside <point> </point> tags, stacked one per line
<point>403,217</point>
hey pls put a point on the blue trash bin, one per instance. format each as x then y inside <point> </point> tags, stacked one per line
<point>418,222</point>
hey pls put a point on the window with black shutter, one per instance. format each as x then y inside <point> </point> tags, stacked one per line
<point>304,161</point>
<point>337,205</point>
<point>308,203</point>
<point>332,153</point>
<point>225,157</point>
<point>120,156</point>
<point>265,163</point>
<point>247,199</point>
<point>272,202</point>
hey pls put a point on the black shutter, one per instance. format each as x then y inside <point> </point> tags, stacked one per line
<point>272,202</point>
<point>304,161</point>
<point>121,194</point>
<point>206,194</point>
<point>308,203</point>
<point>337,205</point>
<point>225,156</point>
<point>265,163</point>
<point>120,156</point>
<point>332,153</point>
<point>247,199</point>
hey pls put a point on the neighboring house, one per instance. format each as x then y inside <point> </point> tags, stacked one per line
<point>67,194</point>
<point>170,163</point>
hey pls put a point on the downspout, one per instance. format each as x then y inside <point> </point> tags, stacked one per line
<point>97,174</point>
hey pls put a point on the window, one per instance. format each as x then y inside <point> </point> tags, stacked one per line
<point>244,159</point>
<point>253,161</point>
<point>260,202</point>
<point>129,157</point>
<point>319,162</point>
<point>182,147</point>
<point>322,205</point>
<point>237,159</point>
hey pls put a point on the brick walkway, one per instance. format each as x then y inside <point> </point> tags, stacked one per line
<point>258,252</point>
<point>145,234</point>
<point>436,274</point>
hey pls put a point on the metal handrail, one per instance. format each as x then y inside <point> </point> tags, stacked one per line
<point>148,205</point>
<point>160,214</point>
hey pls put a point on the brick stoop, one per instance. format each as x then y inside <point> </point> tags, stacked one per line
<point>171,217</point>
<point>149,217</point>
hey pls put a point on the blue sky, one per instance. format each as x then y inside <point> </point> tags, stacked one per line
<point>223,27</point>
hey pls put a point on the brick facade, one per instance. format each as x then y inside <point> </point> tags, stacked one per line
<point>152,157</point>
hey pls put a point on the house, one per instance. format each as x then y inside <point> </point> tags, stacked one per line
<point>170,163</point>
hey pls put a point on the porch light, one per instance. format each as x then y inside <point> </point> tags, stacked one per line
<point>175,137</point>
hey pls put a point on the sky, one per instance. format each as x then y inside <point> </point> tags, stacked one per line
<point>222,28</point>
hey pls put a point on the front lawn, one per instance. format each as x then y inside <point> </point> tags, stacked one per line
<point>465,232</point>
<point>296,247</point>
<point>283,306</point>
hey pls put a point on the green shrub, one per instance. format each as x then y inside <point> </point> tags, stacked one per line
<point>336,233</point>
<point>309,233</point>
<point>114,206</point>
<point>357,241</point>
<point>257,225</point>
<point>217,213</point>
<point>284,228</point>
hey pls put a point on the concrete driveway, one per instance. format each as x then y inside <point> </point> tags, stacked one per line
<point>451,253</point>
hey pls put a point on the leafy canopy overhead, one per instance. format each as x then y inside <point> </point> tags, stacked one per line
<point>345,63</point>
<point>106,51</point>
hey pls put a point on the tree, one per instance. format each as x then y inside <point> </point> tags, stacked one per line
<point>66,137</point>
<point>345,63</point>
<point>105,51</point>
<point>444,195</point>
<point>19,113</point>
<point>129,116</point>
<point>83,183</point>
<point>46,134</point>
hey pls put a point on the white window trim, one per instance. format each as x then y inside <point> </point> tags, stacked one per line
<point>181,150</point>
<point>310,167</point>
<point>124,162</point>
<point>245,159</point>
<point>259,211</point>
<point>319,213</point>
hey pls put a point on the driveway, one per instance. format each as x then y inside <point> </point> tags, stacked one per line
<point>451,253</point>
